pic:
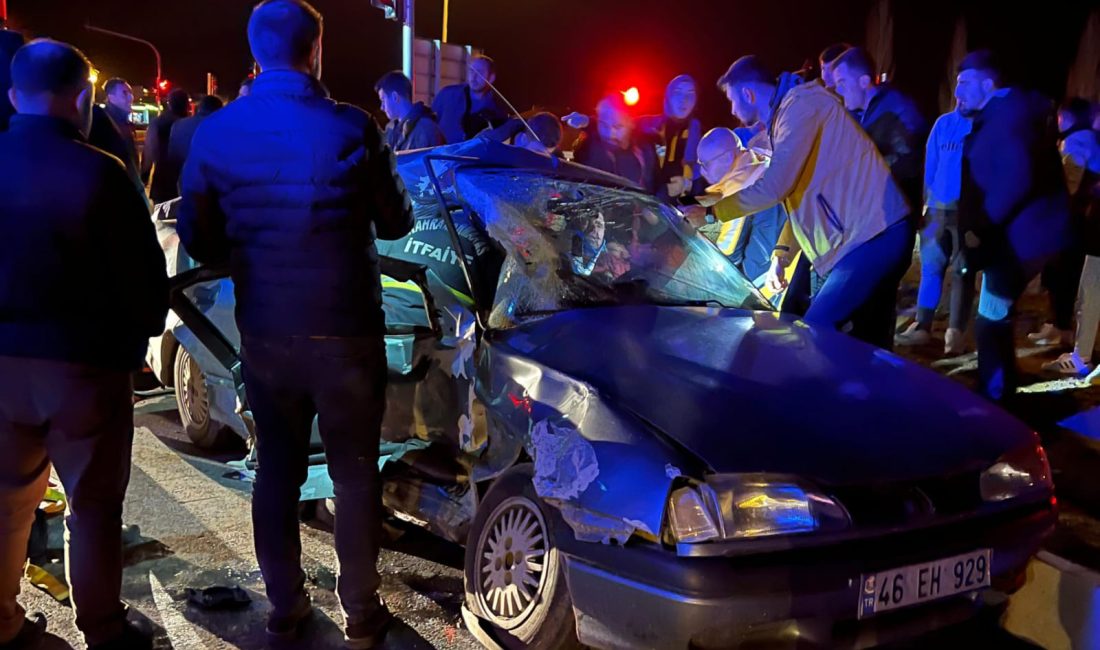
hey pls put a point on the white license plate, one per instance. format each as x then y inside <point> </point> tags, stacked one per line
<point>922,583</point>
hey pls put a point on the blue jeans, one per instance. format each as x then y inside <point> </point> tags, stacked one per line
<point>939,248</point>
<point>1002,286</point>
<point>862,288</point>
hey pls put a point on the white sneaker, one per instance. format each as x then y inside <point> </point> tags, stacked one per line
<point>1067,364</point>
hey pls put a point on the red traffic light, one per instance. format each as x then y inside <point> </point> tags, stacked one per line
<point>390,8</point>
<point>631,96</point>
<point>163,85</point>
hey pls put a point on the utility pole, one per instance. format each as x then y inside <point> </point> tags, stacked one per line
<point>156,52</point>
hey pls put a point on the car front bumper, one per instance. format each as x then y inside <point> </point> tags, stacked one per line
<point>645,597</point>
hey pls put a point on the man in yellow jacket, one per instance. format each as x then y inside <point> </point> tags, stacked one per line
<point>847,215</point>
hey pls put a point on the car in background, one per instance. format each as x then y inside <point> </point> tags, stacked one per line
<point>638,451</point>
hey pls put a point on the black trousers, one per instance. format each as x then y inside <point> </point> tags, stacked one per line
<point>342,382</point>
<point>1061,278</point>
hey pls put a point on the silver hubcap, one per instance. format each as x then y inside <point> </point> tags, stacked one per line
<point>513,561</point>
<point>193,393</point>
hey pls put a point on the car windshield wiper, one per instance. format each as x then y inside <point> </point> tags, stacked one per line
<point>709,302</point>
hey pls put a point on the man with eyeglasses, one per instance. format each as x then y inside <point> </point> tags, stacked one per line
<point>729,166</point>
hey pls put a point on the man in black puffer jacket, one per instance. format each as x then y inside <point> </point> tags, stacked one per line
<point>291,189</point>
<point>1013,210</point>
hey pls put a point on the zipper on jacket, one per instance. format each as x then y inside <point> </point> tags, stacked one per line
<point>829,213</point>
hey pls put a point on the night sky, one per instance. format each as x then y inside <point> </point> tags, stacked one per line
<point>563,54</point>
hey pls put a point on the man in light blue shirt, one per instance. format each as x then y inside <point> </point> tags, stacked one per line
<point>939,239</point>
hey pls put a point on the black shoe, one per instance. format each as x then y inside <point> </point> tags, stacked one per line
<point>284,629</point>
<point>369,633</point>
<point>133,637</point>
<point>30,636</point>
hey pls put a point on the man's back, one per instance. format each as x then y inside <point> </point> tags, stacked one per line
<point>82,278</point>
<point>179,143</point>
<point>163,181</point>
<point>286,184</point>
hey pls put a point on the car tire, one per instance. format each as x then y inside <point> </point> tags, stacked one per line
<point>193,401</point>
<point>512,530</point>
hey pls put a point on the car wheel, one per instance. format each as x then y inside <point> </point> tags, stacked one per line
<point>193,401</point>
<point>515,580</point>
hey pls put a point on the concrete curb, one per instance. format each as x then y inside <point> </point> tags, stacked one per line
<point>1059,607</point>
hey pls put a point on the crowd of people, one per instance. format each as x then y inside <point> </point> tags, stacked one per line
<point>818,196</point>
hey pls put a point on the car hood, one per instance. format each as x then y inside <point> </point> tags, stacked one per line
<point>759,392</point>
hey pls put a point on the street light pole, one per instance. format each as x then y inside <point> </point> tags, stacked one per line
<point>408,37</point>
<point>446,17</point>
<point>135,39</point>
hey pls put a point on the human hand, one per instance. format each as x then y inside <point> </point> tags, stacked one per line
<point>696,215</point>
<point>576,120</point>
<point>777,277</point>
<point>678,186</point>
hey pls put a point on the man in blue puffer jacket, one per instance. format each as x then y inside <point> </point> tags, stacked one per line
<point>291,188</point>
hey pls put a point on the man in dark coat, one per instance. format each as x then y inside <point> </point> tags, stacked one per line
<point>163,180</point>
<point>412,125</point>
<point>617,147</point>
<point>83,286</point>
<point>112,130</point>
<point>1013,210</point>
<point>466,110</point>
<point>889,117</point>
<point>291,188</point>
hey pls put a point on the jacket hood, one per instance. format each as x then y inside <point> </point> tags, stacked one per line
<point>787,82</point>
<point>676,81</point>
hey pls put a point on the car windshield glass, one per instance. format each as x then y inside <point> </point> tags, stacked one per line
<point>571,245</point>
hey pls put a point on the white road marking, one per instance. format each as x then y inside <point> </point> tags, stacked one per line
<point>180,631</point>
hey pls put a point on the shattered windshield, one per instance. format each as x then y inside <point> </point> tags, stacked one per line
<point>571,244</point>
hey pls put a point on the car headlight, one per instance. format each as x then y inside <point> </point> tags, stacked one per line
<point>747,506</point>
<point>1019,473</point>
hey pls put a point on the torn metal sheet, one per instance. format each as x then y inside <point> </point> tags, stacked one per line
<point>446,511</point>
<point>462,341</point>
<point>599,528</point>
<point>565,463</point>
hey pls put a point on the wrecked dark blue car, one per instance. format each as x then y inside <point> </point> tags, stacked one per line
<point>638,451</point>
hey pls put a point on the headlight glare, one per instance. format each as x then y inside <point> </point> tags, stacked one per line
<point>747,506</point>
<point>1017,474</point>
